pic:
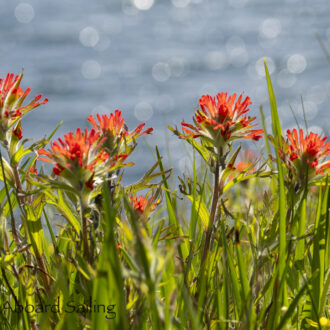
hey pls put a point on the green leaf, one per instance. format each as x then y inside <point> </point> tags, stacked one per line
<point>33,221</point>
<point>204,152</point>
<point>9,174</point>
<point>62,205</point>
<point>243,177</point>
<point>201,210</point>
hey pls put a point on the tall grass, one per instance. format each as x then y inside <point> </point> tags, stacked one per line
<point>256,256</point>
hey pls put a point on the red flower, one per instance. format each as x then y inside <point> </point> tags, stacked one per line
<point>112,125</point>
<point>79,159</point>
<point>118,245</point>
<point>307,152</point>
<point>90,184</point>
<point>139,203</point>
<point>115,132</point>
<point>18,132</point>
<point>11,99</point>
<point>142,204</point>
<point>221,120</point>
<point>33,170</point>
<point>74,150</point>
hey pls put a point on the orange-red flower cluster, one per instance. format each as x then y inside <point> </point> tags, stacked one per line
<point>306,153</point>
<point>33,170</point>
<point>143,205</point>
<point>221,120</point>
<point>11,100</point>
<point>18,132</point>
<point>74,150</point>
<point>80,158</point>
<point>139,203</point>
<point>115,132</point>
<point>83,158</point>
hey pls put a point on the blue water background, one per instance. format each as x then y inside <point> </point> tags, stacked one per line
<point>154,59</point>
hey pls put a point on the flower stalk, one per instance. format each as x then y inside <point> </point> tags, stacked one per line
<point>219,122</point>
<point>84,229</point>
<point>215,199</point>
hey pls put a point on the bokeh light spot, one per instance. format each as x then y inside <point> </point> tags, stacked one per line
<point>270,28</point>
<point>24,13</point>
<point>296,63</point>
<point>161,71</point>
<point>89,36</point>
<point>128,8</point>
<point>91,69</point>
<point>143,4</point>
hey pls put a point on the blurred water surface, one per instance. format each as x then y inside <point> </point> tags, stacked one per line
<point>153,59</point>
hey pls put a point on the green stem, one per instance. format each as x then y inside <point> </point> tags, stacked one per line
<point>9,286</point>
<point>43,270</point>
<point>18,185</point>
<point>84,229</point>
<point>300,248</point>
<point>215,200</point>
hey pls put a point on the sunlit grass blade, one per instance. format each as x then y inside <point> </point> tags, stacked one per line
<point>50,229</point>
<point>243,274</point>
<point>325,293</point>
<point>277,131</point>
<point>182,248</point>
<point>109,282</point>
<point>300,248</point>
<point>320,248</point>
<point>234,280</point>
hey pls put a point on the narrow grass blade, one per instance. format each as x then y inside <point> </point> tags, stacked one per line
<point>228,261</point>
<point>300,248</point>
<point>182,248</point>
<point>277,131</point>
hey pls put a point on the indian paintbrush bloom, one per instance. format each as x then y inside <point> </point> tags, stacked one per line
<point>115,133</point>
<point>306,155</point>
<point>17,131</point>
<point>33,170</point>
<point>139,203</point>
<point>143,205</point>
<point>80,159</point>
<point>11,100</point>
<point>221,120</point>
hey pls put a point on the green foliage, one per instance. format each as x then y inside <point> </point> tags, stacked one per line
<point>151,255</point>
